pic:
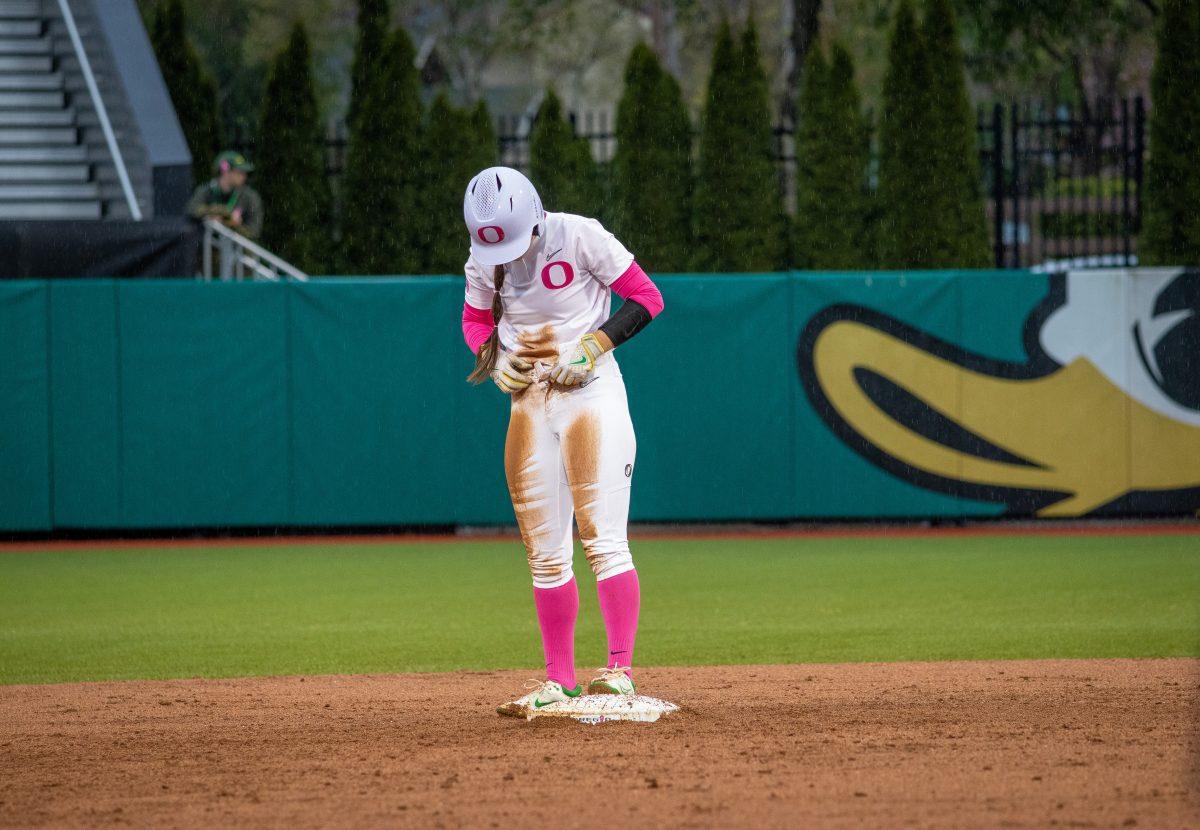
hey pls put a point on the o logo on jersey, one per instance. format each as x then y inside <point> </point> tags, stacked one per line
<point>491,234</point>
<point>568,274</point>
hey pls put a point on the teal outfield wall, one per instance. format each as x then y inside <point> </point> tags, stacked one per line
<point>143,404</point>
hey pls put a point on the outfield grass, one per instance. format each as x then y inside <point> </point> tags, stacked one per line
<point>230,610</point>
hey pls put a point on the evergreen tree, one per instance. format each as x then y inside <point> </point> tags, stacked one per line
<point>738,209</point>
<point>813,239</point>
<point>445,178</point>
<point>907,169</point>
<point>192,88</point>
<point>832,157</point>
<point>652,181</point>
<point>380,193</point>
<point>717,167</point>
<point>960,239</point>
<point>763,238</point>
<point>1171,225</point>
<point>483,139</point>
<point>291,162</point>
<point>714,204</point>
<point>560,163</point>
<point>373,19</point>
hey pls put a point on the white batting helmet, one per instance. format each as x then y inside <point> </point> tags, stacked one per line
<point>501,208</point>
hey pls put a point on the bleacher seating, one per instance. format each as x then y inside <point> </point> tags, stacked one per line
<point>46,168</point>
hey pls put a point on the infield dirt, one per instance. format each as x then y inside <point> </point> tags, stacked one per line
<point>1072,743</point>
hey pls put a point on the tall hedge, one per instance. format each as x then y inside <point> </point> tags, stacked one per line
<point>373,24</point>
<point>458,144</point>
<point>379,194</point>
<point>297,201</point>
<point>738,218</point>
<point>764,236</point>
<point>812,240</point>
<point>833,153</point>
<point>652,176</point>
<point>1171,219</point>
<point>483,144</point>
<point>909,210</point>
<point>961,234</point>
<point>192,88</point>
<point>561,166</point>
<point>716,166</point>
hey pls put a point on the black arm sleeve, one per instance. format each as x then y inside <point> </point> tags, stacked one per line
<point>628,320</point>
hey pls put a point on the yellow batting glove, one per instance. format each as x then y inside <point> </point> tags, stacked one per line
<point>512,373</point>
<point>573,367</point>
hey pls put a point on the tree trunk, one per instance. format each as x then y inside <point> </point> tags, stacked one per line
<point>805,18</point>
<point>664,29</point>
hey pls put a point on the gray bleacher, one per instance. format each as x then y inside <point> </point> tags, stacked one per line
<point>44,168</point>
<point>55,161</point>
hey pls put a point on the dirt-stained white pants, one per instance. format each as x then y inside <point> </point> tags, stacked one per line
<point>571,450</point>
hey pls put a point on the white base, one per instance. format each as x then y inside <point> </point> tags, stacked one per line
<point>594,709</point>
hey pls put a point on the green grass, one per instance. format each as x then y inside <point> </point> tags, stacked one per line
<point>306,609</point>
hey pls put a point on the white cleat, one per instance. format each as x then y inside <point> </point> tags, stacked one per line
<point>544,693</point>
<point>612,681</point>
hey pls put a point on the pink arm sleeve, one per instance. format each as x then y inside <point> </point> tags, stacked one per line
<point>635,285</point>
<point>477,326</point>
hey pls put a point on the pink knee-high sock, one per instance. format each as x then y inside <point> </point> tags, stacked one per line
<point>557,609</point>
<point>620,599</point>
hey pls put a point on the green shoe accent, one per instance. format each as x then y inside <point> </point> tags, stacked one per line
<point>578,690</point>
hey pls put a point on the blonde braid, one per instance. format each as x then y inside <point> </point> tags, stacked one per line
<point>485,360</point>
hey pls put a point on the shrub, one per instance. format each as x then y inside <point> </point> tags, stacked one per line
<point>561,166</point>
<point>907,169</point>
<point>652,177</point>
<point>381,227</point>
<point>832,158</point>
<point>297,201</point>
<point>738,218</point>
<point>192,88</point>
<point>1171,223</point>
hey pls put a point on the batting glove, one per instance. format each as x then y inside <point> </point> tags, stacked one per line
<point>574,367</point>
<point>512,373</point>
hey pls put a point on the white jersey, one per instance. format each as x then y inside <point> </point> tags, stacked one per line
<point>562,281</point>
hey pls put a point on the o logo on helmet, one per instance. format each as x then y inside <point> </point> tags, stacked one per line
<point>491,234</point>
<point>568,274</point>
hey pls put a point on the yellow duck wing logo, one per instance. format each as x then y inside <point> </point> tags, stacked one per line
<point>1105,415</point>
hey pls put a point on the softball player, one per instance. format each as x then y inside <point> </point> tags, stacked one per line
<point>537,316</point>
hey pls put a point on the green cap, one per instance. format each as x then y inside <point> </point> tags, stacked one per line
<point>231,160</point>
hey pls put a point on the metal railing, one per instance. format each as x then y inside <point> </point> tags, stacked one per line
<point>238,258</point>
<point>101,111</point>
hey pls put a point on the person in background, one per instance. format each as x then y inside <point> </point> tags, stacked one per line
<point>228,198</point>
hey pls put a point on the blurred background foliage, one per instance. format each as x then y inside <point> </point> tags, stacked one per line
<point>1079,52</point>
<point>887,155</point>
